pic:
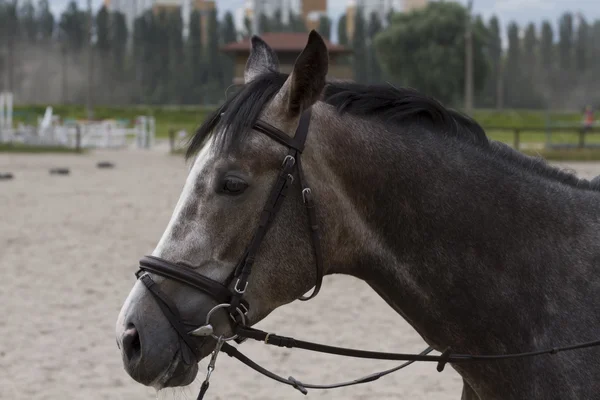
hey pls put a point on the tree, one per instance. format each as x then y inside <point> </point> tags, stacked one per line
<point>325,27</point>
<point>565,44</point>
<point>45,20</point>
<point>247,27</point>
<point>374,73</point>
<point>530,97</point>
<point>513,75</point>
<point>27,21</point>
<point>73,24</point>
<point>530,45</point>
<point>595,46</point>
<point>118,42</point>
<point>276,23</point>
<point>214,71</point>
<point>341,30</point>
<point>177,83</point>
<point>9,34</point>
<point>194,59</point>
<point>359,48</point>
<point>103,32</point>
<point>547,46</point>
<point>493,87</point>
<point>296,23</point>
<point>582,46</point>
<point>429,50</point>
<point>228,35</point>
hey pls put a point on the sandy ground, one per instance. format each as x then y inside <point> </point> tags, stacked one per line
<point>69,246</point>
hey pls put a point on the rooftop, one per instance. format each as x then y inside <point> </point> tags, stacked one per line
<point>283,41</point>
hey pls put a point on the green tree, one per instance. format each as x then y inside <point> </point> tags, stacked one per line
<point>325,27</point>
<point>374,73</point>
<point>582,46</point>
<point>228,35</point>
<point>247,27</point>
<point>73,24</point>
<point>118,43</point>
<point>103,41</point>
<point>341,30</point>
<point>491,93</point>
<point>28,22</point>
<point>547,46</point>
<point>194,58</point>
<point>429,48</point>
<point>214,87</point>
<point>296,23</point>
<point>45,20</point>
<point>9,35</point>
<point>513,73</point>
<point>265,24</point>
<point>276,22</point>
<point>595,46</point>
<point>359,47</point>
<point>565,44</point>
<point>177,83</point>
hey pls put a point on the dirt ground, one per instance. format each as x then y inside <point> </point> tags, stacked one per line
<point>69,246</point>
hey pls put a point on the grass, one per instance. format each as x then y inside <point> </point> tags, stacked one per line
<point>166,117</point>
<point>24,148</point>
<point>499,125</point>
<point>566,154</point>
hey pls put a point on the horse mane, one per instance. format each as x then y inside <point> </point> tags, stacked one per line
<point>393,106</point>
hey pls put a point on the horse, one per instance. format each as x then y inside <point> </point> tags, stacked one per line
<point>480,248</point>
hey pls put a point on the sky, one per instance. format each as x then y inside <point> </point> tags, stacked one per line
<point>520,11</point>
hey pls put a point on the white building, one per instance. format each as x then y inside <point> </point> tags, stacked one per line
<point>130,8</point>
<point>269,7</point>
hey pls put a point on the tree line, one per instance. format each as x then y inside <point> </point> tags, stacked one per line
<point>44,59</point>
<point>539,68</point>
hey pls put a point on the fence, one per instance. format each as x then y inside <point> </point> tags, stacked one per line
<point>78,135</point>
<point>582,134</point>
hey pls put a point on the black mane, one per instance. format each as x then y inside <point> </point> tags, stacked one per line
<point>393,106</point>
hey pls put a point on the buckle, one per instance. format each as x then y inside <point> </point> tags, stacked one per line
<point>306,195</point>
<point>238,290</point>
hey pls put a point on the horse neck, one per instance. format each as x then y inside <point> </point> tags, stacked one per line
<point>471,250</point>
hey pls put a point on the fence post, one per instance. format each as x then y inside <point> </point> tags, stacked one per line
<point>517,143</point>
<point>78,137</point>
<point>172,139</point>
<point>582,138</point>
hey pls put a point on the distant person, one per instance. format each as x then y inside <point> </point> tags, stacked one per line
<point>588,118</point>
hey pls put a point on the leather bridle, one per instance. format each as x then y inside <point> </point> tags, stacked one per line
<point>232,299</point>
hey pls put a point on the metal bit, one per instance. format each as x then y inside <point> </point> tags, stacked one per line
<point>205,330</point>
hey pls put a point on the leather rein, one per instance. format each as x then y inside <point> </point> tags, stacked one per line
<point>232,299</point>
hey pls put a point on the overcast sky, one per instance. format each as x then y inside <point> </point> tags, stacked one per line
<point>521,11</point>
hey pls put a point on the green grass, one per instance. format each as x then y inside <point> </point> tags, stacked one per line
<point>167,117</point>
<point>498,124</point>
<point>23,148</point>
<point>566,154</point>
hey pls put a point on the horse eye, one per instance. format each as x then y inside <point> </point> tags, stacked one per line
<point>234,185</point>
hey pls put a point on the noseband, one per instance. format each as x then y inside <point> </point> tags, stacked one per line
<point>232,298</point>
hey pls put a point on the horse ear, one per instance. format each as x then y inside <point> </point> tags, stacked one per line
<point>262,59</point>
<point>307,80</point>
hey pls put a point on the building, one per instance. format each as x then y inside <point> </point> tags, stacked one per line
<point>130,8</point>
<point>410,5</point>
<point>310,10</point>
<point>288,47</point>
<point>186,8</point>
<point>382,7</point>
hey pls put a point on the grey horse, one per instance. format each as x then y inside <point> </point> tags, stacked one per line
<point>480,248</point>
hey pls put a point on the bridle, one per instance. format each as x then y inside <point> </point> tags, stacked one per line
<point>232,299</point>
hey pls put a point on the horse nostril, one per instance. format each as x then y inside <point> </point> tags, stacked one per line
<point>131,343</point>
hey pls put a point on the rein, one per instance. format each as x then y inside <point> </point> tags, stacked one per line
<point>238,308</point>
